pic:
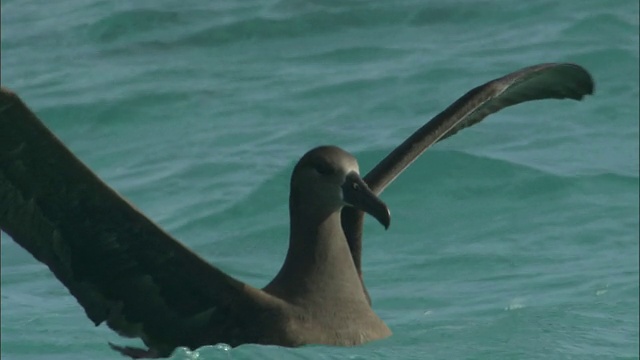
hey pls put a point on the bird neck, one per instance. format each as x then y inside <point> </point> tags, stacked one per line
<point>318,267</point>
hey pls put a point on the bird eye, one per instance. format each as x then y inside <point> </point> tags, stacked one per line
<point>324,169</point>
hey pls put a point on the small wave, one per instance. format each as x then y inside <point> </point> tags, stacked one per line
<point>123,24</point>
<point>354,54</point>
<point>271,28</point>
<point>209,27</point>
<point>515,304</point>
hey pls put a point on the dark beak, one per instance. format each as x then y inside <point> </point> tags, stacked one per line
<point>357,194</point>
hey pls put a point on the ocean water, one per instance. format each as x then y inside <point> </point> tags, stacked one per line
<point>514,239</point>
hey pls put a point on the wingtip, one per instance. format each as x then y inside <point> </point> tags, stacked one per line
<point>580,79</point>
<point>134,353</point>
<point>585,85</point>
<point>5,90</point>
<point>7,98</point>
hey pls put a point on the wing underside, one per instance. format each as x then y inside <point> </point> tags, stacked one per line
<point>122,268</point>
<point>543,81</point>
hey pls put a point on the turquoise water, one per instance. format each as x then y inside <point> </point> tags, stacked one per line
<point>515,239</point>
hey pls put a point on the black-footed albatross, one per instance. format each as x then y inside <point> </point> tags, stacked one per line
<point>126,271</point>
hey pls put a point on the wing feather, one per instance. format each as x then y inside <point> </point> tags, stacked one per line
<point>120,266</point>
<point>543,81</point>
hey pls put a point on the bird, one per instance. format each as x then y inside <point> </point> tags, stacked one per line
<point>127,272</point>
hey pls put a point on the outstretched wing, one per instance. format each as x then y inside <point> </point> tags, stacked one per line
<point>121,267</point>
<point>544,81</point>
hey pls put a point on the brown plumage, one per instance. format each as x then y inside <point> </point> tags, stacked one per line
<point>125,271</point>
